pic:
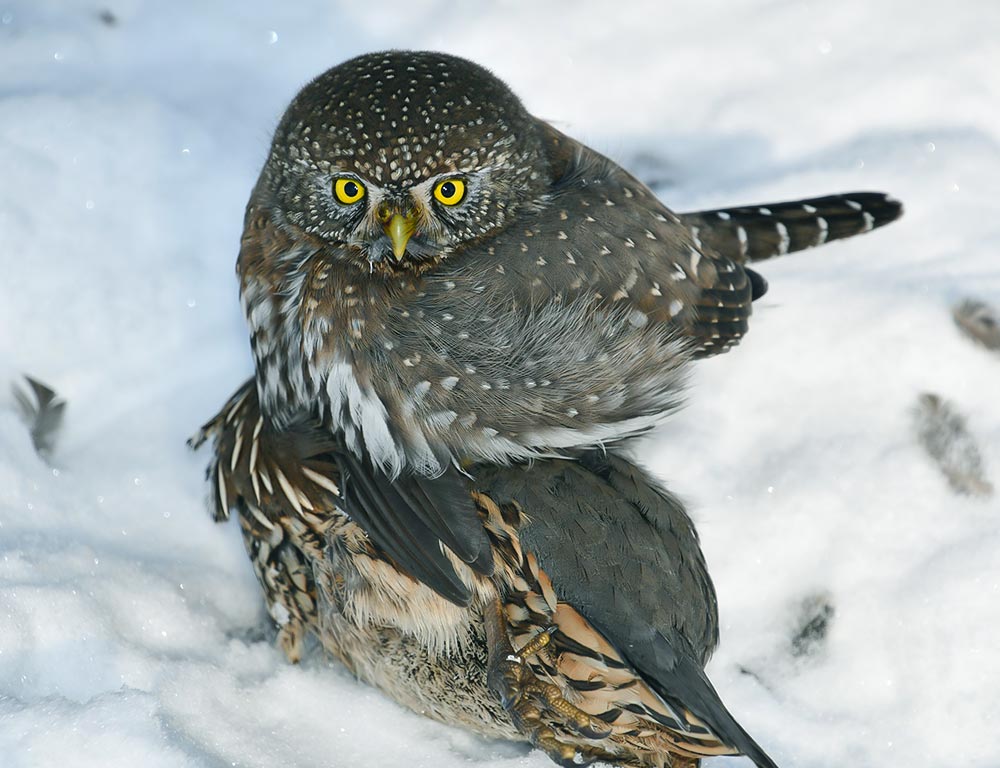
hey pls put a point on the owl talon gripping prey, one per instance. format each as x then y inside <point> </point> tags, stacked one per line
<point>457,315</point>
<point>529,699</point>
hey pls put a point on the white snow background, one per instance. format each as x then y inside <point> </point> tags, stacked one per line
<point>130,624</point>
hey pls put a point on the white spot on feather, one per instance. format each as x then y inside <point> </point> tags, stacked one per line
<point>440,419</point>
<point>420,390</point>
<point>824,230</point>
<point>321,480</point>
<point>741,235</point>
<point>280,614</point>
<point>785,240</point>
<point>637,318</point>
<point>694,236</point>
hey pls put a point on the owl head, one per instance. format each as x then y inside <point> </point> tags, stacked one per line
<point>399,159</point>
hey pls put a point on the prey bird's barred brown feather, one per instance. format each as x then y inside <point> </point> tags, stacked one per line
<point>457,314</point>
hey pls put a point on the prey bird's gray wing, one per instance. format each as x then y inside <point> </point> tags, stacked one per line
<point>625,555</point>
<point>411,516</point>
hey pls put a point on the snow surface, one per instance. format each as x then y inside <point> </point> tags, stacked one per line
<point>131,625</point>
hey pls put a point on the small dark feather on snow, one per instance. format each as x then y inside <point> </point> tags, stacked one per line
<point>943,434</point>
<point>42,412</point>
<point>813,624</point>
<point>979,321</point>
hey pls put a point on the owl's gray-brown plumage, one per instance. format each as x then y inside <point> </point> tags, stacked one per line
<point>440,287</point>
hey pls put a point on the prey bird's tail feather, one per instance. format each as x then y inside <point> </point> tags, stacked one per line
<point>757,232</point>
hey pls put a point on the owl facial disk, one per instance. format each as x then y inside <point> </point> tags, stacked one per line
<point>397,227</point>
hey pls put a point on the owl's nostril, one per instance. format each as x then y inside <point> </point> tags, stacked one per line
<point>384,213</point>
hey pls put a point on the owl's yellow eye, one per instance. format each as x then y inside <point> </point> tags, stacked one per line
<point>450,191</point>
<point>348,191</point>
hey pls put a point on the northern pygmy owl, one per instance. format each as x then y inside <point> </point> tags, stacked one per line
<point>457,313</point>
<point>439,277</point>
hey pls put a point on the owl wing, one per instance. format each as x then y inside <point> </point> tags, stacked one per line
<point>601,233</point>
<point>688,270</point>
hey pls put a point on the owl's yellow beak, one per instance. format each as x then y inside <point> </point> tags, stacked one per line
<point>399,229</point>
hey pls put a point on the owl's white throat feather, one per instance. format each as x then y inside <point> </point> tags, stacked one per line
<point>359,412</point>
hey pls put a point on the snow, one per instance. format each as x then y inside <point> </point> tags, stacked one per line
<point>131,629</point>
